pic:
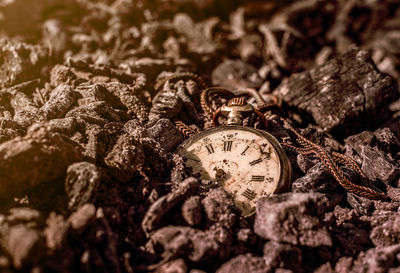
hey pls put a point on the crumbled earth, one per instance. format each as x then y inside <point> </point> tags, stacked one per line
<point>89,181</point>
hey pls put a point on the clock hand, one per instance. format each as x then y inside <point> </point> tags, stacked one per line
<point>220,176</point>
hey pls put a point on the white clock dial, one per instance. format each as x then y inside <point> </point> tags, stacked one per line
<point>246,162</point>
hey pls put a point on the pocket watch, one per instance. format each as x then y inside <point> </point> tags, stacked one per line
<point>248,163</point>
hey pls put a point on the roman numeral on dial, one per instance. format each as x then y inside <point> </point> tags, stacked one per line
<point>228,146</point>
<point>257,178</point>
<point>210,149</point>
<point>249,194</point>
<point>254,162</point>
<point>245,150</point>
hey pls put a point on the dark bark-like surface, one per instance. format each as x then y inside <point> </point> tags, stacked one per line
<point>342,95</point>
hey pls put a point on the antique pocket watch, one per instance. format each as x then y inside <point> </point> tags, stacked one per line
<point>248,163</point>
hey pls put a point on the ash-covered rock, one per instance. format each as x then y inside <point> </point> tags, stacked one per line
<point>166,133</point>
<point>81,183</point>
<point>175,266</point>
<point>22,160</point>
<point>130,154</point>
<point>236,74</point>
<point>20,62</point>
<point>218,207</point>
<point>278,255</point>
<point>55,231</point>
<point>60,101</point>
<point>317,179</point>
<point>158,211</point>
<point>293,218</point>
<point>23,244</point>
<point>20,237</point>
<point>195,245</point>
<point>346,219</point>
<point>192,211</point>
<point>344,91</point>
<point>244,263</point>
<point>377,153</point>
<point>385,230</point>
<point>379,259</point>
<point>173,98</point>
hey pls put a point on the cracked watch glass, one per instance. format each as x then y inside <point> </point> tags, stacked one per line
<point>248,163</point>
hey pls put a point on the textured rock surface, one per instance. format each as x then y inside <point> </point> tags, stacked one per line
<point>292,218</point>
<point>277,255</point>
<point>235,74</point>
<point>20,62</point>
<point>159,209</point>
<point>192,211</point>
<point>25,245</point>
<point>387,233</point>
<point>244,263</point>
<point>81,183</point>
<point>166,134</point>
<point>317,179</point>
<point>176,241</point>
<point>377,152</point>
<point>22,160</point>
<point>345,91</point>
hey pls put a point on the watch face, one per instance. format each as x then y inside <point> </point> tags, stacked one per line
<point>246,162</point>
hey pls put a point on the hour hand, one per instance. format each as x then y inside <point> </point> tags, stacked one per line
<point>220,176</point>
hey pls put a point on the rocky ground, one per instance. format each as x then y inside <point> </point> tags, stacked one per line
<point>89,181</point>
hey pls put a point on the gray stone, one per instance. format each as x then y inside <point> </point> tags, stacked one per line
<point>39,157</point>
<point>157,212</point>
<point>134,153</point>
<point>192,211</point>
<point>388,233</point>
<point>193,244</point>
<point>23,244</point>
<point>61,74</point>
<point>165,132</point>
<point>81,183</point>
<point>60,102</point>
<point>218,208</point>
<point>97,109</point>
<point>317,179</point>
<point>376,165</point>
<point>81,218</point>
<point>128,98</point>
<point>278,255</point>
<point>245,263</point>
<point>380,259</point>
<point>55,231</point>
<point>175,266</point>
<point>292,218</point>
<point>376,151</point>
<point>20,61</point>
<point>344,264</point>
<point>24,215</point>
<point>236,74</point>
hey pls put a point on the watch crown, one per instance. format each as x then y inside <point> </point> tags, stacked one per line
<point>236,110</point>
<point>237,102</point>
